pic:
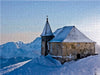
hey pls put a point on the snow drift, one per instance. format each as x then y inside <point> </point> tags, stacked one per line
<point>50,66</point>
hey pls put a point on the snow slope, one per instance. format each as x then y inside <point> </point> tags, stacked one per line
<point>12,67</point>
<point>49,66</point>
<point>16,49</point>
<point>10,61</point>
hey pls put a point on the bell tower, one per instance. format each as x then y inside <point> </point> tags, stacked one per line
<point>46,36</point>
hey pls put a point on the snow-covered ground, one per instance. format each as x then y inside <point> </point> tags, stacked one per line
<point>49,66</point>
<point>9,61</point>
<point>12,67</point>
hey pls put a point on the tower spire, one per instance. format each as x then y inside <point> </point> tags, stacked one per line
<point>47,29</point>
<point>46,36</point>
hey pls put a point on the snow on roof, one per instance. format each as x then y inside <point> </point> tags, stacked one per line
<point>61,33</point>
<point>69,34</point>
<point>47,30</point>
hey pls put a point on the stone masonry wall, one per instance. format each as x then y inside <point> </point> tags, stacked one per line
<point>69,51</point>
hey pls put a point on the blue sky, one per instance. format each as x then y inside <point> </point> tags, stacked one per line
<point>26,19</point>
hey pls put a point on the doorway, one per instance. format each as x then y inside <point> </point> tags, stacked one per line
<point>78,56</point>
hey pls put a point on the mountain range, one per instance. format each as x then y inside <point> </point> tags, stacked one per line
<point>19,49</point>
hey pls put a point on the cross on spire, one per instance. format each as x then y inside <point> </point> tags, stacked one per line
<point>47,18</point>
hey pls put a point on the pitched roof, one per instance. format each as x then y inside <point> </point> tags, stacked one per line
<point>69,34</point>
<point>47,30</point>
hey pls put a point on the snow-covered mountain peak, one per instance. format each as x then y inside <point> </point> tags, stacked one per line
<point>14,49</point>
<point>19,44</point>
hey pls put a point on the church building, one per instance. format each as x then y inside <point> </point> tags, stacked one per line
<point>66,43</point>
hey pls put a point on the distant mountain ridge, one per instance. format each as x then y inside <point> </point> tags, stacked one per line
<point>16,49</point>
<point>20,49</point>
